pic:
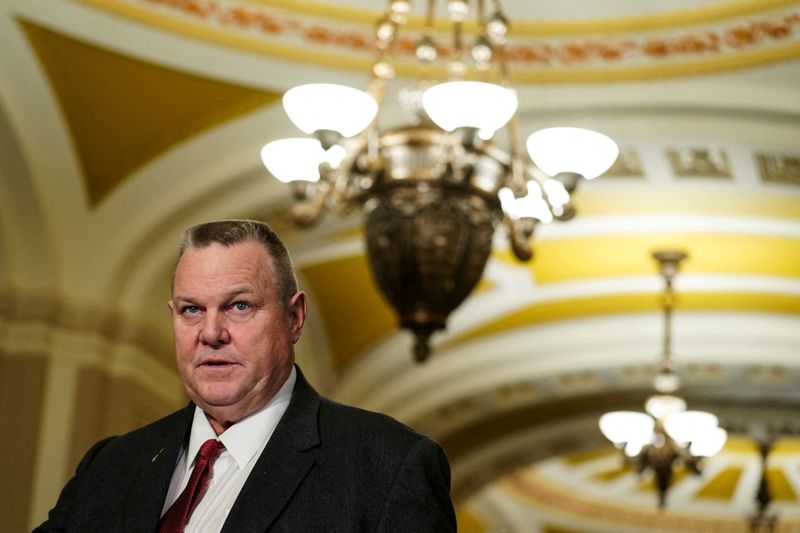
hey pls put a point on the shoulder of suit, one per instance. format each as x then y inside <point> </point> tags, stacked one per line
<point>160,428</point>
<point>349,418</point>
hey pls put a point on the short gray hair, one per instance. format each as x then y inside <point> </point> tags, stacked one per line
<point>231,232</point>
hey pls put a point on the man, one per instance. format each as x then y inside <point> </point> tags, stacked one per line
<point>257,449</point>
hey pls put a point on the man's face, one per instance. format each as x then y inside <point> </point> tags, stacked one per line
<point>233,336</point>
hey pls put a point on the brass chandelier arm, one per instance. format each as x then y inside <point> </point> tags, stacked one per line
<point>516,181</point>
<point>458,50</point>
<point>668,301</point>
<point>430,11</point>
<point>661,457</point>
<point>518,174</point>
<point>307,213</point>
<point>341,191</point>
<point>519,234</point>
<point>669,264</point>
<point>519,231</point>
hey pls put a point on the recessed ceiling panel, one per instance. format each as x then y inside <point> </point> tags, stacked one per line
<point>122,113</point>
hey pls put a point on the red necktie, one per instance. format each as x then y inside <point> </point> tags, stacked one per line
<point>178,514</point>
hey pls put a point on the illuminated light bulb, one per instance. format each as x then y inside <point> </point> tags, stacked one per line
<point>383,70</point>
<point>497,27</point>
<point>426,50</point>
<point>621,427</point>
<point>401,7</point>
<point>709,443</point>
<point>557,195</point>
<point>662,405</point>
<point>293,159</point>
<point>481,50</point>
<point>689,426</point>
<point>335,155</point>
<point>385,30</point>
<point>457,9</point>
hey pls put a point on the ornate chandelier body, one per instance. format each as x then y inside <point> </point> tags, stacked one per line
<point>429,231</point>
<point>435,190</point>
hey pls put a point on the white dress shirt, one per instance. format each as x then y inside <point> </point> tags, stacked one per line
<point>244,441</point>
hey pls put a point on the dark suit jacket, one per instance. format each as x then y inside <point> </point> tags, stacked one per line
<point>327,468</point>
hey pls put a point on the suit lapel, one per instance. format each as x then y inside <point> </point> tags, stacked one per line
<point>284,463</point>
<point>156,465</point>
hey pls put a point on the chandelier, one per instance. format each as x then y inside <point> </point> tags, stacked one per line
<point>667,434</point>
<point>434,189</point>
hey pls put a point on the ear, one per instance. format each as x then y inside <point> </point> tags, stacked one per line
<point>297,308</point>
<point>171,306</point>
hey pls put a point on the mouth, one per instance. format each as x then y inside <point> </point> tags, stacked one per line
<point>217,363</point>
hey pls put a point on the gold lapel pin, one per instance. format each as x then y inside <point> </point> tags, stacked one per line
<point>153,460</point>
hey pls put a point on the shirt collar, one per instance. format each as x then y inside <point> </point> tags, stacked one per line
<point>247,436</point>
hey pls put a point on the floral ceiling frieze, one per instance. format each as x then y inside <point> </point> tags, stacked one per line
<point>335,33</point>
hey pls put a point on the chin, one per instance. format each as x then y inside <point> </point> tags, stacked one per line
<point>216,396</point>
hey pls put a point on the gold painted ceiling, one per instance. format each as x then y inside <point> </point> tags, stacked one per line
<point>162,107</point>
<point>123,121</point>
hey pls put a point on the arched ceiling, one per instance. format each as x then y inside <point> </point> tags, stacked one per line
<point>123,121</point>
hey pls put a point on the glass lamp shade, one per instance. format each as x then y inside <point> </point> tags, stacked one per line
<point>576,150</point>
<point>294,159</point>
<point>711,443</point>
<point>690,426</point>
<point>634,447</point>
<point>621,427</point>
<point>557,195</point>
<point>666,381</point>
<point>328,106</point>
<point>662,405</point>
<point>532,205</point>
<point>471,104</point>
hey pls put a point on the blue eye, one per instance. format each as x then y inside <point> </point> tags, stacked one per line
<point>241,307</point>
<point>190,310</point>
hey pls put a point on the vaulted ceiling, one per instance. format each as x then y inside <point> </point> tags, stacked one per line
<point>123,121</point>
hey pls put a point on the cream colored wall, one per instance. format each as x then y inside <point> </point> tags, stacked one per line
<point>64,386</point>
<point>21,388</point>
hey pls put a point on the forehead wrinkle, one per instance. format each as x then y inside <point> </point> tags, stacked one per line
<point>224,292</point>
<point>237,291</point>
<point>224,273</point>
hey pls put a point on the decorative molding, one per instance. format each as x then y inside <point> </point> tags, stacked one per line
<point>754,37</point>
<point>779,168</point>
<point>453,416</point>
<point>699,162</point>
<point>54,312</point>
<point>628,164</point>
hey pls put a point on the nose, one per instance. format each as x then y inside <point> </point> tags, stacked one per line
<point>213,330</point>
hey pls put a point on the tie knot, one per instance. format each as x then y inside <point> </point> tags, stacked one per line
<point>210,450</point>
